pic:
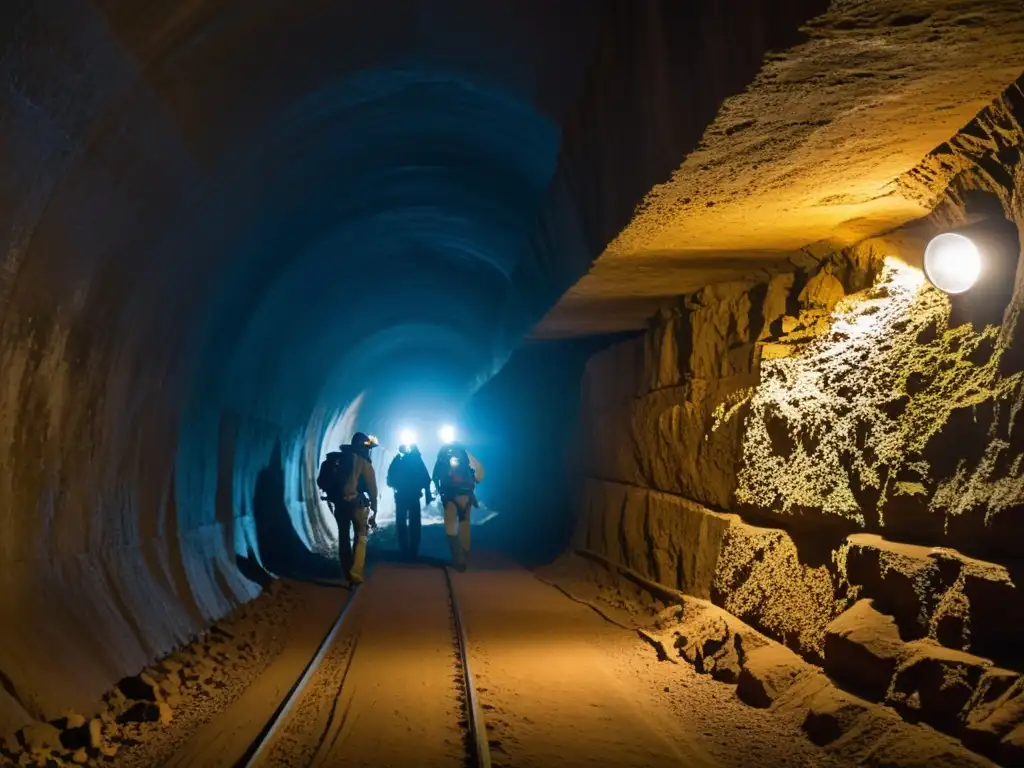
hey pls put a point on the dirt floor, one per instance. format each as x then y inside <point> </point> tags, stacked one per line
<point>564,686</point>
<point>572,668</point>
<point>387,693</point>
<point>148,719</point>
<point>748,697</point>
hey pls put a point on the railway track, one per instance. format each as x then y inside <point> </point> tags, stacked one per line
<point>341,644</point>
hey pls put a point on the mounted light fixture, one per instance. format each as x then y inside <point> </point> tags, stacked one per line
<point>976,266</point>
<point>952,263</point>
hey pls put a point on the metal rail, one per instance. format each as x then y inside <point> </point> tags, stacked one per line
<point>481,756</point>
<point>265,736</point>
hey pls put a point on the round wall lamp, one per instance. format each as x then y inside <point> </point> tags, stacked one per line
<point>976,266</point>
<point>952,262</point>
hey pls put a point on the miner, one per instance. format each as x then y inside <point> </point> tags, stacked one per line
<point>348,481</point>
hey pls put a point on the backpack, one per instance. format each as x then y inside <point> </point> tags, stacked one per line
<point>332,476</point>
<point>459,476</point>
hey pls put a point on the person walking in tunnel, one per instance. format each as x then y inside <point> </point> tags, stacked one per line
<point>409,479</point>
<point>456,474</point>
<point>348,480</point>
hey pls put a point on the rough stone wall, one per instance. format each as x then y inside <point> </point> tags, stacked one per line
<point>665,109</point>
<point>788,447</point>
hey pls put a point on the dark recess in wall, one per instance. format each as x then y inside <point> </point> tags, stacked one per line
<point>522,425</point>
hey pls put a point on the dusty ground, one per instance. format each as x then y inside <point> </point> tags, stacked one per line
<point>563,686</point>
<point>572,668</point>
<point>170,700</point>
<point>387,693</point>
<point>749,697</point>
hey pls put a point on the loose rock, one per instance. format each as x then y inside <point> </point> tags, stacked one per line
<point>943,679</point>
<point>832,713</point>
<point>140,712</point>
<point>862,650</point>
<point>767,673</point>
<point>140,688</point>
<point>40,737</point>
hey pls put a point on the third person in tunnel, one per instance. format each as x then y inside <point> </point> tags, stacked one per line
<point>456,474</point>
<point>408,477</point>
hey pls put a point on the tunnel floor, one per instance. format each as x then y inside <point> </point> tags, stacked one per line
<point>559,682</point>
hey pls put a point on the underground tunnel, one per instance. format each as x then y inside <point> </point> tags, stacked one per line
<point>722,299</point>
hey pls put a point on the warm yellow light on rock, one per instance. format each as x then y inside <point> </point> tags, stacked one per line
<point>952,262</point>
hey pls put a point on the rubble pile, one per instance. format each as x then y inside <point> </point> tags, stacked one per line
<point>180,691</point>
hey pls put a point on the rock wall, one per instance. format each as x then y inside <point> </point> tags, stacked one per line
<point>829,443</point>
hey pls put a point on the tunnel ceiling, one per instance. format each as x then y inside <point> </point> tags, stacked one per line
<point>228,189</point>
<point>810,154</point>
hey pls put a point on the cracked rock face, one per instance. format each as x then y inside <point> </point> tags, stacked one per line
<point>860,423</point>
<point>828,453</point>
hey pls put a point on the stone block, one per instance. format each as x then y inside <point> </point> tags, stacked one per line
<point>831,713</point>
<point>941,593</point>
<point>898,577</point>
<point>989,722</point>
<point>761,579</point>
<point>140,688</point>
<point>863,649</point>
<point>1011,748</point>
<point>767,673</point>
<point>912,747</point>
<point>823,291</point>
<point>146,712</point>
<point>40,737</point>
<point>937,682</point>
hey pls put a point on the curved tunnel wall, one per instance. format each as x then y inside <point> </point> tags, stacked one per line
<point>169,174</point>
<point>206,212</point>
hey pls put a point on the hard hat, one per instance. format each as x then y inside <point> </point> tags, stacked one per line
<point>362,440</point>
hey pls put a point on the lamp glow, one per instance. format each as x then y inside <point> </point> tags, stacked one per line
<point>952,262</point>
<point>447,433</point>
<point>407,437</point>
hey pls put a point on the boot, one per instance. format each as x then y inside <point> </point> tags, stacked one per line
<point>355,575</point>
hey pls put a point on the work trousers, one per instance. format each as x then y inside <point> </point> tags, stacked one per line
<point>352,517</point>
<point>456,526</point>
<point>408,521</point>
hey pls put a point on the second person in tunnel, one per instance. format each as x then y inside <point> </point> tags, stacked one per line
<point>408,477</point>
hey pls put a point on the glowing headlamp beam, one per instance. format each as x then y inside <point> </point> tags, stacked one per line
<point>407,437</point>
<point>447,433</point>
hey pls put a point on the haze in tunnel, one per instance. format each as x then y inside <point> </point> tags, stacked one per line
<point>234,221</point>
<point>236,232</point>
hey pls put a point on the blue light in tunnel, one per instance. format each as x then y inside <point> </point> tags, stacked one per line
<point>447,433</point>
<point>407,437</point>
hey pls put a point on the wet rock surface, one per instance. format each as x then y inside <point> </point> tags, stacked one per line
<point>141,720</point>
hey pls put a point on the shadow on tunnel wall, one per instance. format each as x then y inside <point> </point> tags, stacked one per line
<point>522,425</point>
<point>283,553</point>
